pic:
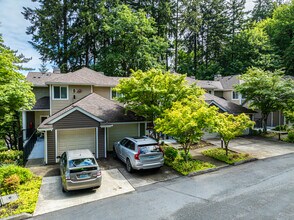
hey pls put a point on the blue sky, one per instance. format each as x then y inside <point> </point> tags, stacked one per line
<point>13,28</point>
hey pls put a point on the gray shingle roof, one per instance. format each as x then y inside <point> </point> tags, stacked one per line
<point>107,110</point>
<point>229,107</point>
<point>84,76</point>
<point>42,103</point>
<point>39,79</point>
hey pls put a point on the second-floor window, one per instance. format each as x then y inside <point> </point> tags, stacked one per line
<point>60,92</point>
<point>235,95</point>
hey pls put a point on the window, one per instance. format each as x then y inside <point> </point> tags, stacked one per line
<point>115,94</point>
<point>235,95</point>
<point>60,92</point>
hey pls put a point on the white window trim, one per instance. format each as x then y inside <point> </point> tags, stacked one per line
<point>233,95</point>
<point>67,91</point>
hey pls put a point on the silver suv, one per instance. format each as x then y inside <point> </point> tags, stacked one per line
<point>139,153</point>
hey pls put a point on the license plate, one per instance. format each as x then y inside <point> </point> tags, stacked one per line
<point>152,157</point>
<point>84,176</point>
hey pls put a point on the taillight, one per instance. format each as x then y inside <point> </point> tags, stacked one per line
<point>67,175</point>
<point>137,155</point>
<point>98,173</point>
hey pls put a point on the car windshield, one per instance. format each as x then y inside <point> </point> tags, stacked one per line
<point>83,162</point>
<point>144,149</point>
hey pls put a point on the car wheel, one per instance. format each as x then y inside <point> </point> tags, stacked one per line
<point>129,166</point>
<point>114,153</point>
<point>63,190</point>
<point>96,187</point>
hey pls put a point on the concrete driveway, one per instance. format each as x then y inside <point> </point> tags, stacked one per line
<point>51,197</point>
<point>139,177</point>
<point>258,147</point>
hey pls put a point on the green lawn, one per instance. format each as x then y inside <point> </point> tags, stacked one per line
<point>220,154</point>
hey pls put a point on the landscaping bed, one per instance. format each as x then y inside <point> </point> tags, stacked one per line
<point>16,179</point>
<point>231,158</point>
<point>175,159</point>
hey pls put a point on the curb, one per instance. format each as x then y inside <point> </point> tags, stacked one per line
<point>19,216</point>
<point>207,170</point>
<point>221,167</point>
<point>244,161</point>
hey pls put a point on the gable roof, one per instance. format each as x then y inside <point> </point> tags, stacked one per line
<point>84,76</point>
<point>225,105</point>
<point>96,107</point>
<point>39,79</point>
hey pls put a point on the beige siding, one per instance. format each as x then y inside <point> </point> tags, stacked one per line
<point>117,132</point>
<point>73,96</point>
<point>38,115</point>
<point>228,95</point>
<point>103,91</point>
<point>41,92</point>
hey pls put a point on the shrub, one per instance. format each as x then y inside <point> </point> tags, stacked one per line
<point>8,170</point>
<point>182,153</point>
<point>11,157</point>
<point>170,153</point>
<point>281,128</point>
<point>28,197</point>
<point>186,167</point>
<point>11,183</point>
<point>290,137</point>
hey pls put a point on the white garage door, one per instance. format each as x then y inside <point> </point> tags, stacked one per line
<point>75,139</point>
<point>118,132</point>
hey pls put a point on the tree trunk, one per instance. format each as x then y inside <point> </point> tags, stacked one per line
<point>227,147</point>
<point>264,122</point>
<point>176,38</point>
<point>222,143</point>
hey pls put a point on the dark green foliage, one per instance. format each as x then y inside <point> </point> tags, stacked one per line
<point>290,137</point>
<point>170,153</point>
<point>220,154</point>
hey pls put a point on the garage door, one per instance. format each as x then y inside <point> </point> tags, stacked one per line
<point>75,139</point>
<point>117,132</point>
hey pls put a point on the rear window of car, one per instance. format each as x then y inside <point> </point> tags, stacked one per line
<point>83,162</point>
<point>144,149</point>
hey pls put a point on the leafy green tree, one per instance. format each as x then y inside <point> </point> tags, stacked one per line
<point>186,121</point>
<point>280,30</point>
<point>150,93</point>
<point>266,91</point>
<point>229,126</point>
<point>251,47</point>
<point>134,44</point>
<point>15,95</point>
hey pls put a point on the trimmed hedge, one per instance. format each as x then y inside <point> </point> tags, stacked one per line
<point>11,157</point>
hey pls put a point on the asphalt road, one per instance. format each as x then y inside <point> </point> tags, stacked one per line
<point>259,190</point>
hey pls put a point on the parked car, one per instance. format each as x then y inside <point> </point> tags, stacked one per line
<point>139,153</point>
<point>79,170</point>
